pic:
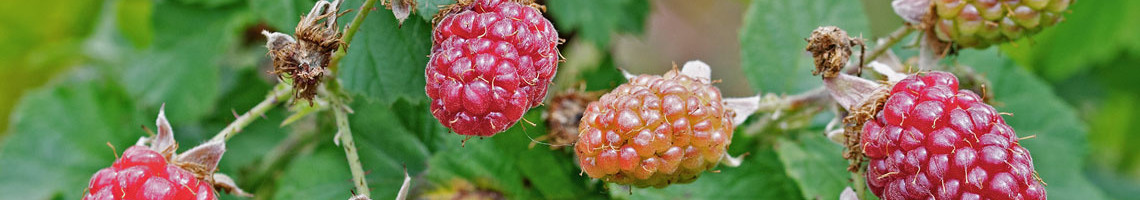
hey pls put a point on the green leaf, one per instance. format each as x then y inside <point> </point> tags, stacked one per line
<point>505,163</point>
<point>133,18</point>
<point>426,9</point>
<point>1060,147</point>
<point>761,176</point>
<point>209,3</point>
<point>181,67</point>
<point>816,164</point>
<point>1108,28</point>
<point>282,15</point>
<point>59,137</point>
<point>386,62</point>
<point>596,20</point>
<point>388,137</point>
<point>772,39</point>
<point>320,175</point>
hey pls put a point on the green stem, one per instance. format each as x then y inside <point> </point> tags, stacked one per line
<point>340,109</point>
<point>334,62</point>
<point>345,135</point>
<point>891,40</point>
<point>280,93</point>
<point>859,184</point>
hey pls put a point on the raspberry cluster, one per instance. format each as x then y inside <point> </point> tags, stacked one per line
<point>145,174</point>
<point>933,141</point>
<point>491,61</point>
<point>655,131</point>
<point>980,23</point>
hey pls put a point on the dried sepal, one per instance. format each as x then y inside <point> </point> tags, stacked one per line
<point>400,8</point>
<point>225,183</point>
<point>305,57</point>
<point>848,194</point>
<point>163,141</point>
<point>913,11</point>
<point>859,114</point>
<point>403,193</point>
<point>203,159</point>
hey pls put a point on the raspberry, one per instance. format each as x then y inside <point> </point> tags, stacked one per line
<point>655,131</point>
<point>491,61</point>
<point>980,23</point>
<point>933,141</point>
<point>144,174</point>
<point>157,172</point>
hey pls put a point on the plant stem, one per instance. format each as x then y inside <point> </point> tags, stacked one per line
<point>858,184</point>
<point>340,109</point>
<point>812,97</point>
<point>280,93</point>
<point>891,39</point>
<point>353,26</point>
<point>345,135</point>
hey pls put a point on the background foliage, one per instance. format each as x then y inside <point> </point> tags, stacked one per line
<point>87,73</point>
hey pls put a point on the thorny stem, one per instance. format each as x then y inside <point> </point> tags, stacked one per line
<point>345,136</point>
<point>891,39</point>
<point>349,33</point>
<point>810,97</point>
<point>344,132</point>
<point>881,47</point>
<point>280,93</point>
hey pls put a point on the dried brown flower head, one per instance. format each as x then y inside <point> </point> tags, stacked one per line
<point>306,58</point>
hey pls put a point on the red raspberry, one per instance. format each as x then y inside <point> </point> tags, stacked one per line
<point>933,141</point>
<point>654,131</point>
<point>144,174</point>
<point>491,61</point>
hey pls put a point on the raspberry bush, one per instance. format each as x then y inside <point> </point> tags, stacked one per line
<point>434,99</point>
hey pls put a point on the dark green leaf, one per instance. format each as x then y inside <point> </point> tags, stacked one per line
<point>504,163</point>
<point>427,9</point>
<point>772,39</point>
<point>59,137</point>
<point>282,15</point>
<point>596,20</point>
<point>386,62</point>
<point>1060,147</point>
<point>320,175</point>
<point>1092,33</point>
<point>816,164</point>
<point>761,176</point>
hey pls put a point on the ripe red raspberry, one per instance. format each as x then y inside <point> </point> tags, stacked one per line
<point>491,61</point>
<point>933,141</point>
<point>144,174</point>
<point>655,131</point>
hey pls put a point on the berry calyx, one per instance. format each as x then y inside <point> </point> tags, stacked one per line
<point>932,140</point>
<point>155,171</point>
<point>655,131</point>
<point>491,61</point>
<point>143,173</point>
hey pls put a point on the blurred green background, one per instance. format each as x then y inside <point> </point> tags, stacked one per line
<point>81,73</point>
